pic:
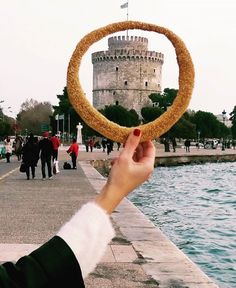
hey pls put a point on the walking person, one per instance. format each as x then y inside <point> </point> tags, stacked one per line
<point>55,146</point>
<point>91,144</point>
<point>68,258</point>
<point>30,155</point>
<point>8,148</point>
<point>45,152</point>
<point>18,145</point>
<point>187,144</point>
<point>104,142</point>
<point>73,151</point>
<point>109,146</point>
<point>174,144</point>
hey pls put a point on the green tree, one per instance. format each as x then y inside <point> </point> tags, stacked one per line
<point>151,113</point>
<point>121,115</point>
<point>209,125</point>
<point>183,129</point>
<point>165,99</point>
<point>233,120</point>
<point>32,115</point>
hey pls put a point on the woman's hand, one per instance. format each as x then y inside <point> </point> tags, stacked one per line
<point>133,166</point>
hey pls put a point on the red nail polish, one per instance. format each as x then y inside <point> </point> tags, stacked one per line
<point>137,132</point>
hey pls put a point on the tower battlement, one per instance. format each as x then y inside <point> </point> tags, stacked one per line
<point>128,42</point>
<point>124,54</point>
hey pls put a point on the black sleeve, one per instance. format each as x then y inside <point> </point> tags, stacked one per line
<point>51,265</point>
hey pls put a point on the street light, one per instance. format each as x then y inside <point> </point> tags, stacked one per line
<point>223,119</point>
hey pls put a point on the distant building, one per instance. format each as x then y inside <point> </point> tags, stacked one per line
<point>226,121</point>
<point>127,73</point>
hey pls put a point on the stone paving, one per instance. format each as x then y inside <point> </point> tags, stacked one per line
<point>139,256</point>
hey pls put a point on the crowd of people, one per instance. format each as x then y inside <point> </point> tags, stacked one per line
<point>30,150</point>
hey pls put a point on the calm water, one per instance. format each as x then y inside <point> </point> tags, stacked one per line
<point>195,206</point>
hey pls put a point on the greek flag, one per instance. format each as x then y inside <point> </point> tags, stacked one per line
<point>125,5</point>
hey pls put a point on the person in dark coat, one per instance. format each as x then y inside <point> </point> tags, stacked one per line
<point>46,152</point>
<point>30,156</point>
<point>69,257</point>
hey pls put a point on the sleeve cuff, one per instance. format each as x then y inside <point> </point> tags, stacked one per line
<point>88,233</point>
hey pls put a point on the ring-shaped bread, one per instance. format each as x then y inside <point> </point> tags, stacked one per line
<point>111,130</point>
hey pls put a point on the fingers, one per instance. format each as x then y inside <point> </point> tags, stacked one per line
<point>131,143</point>
<point>148,149</point>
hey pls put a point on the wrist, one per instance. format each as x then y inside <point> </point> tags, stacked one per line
<point>109,198</point>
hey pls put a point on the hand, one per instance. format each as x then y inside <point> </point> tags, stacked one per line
<point>133,166</point>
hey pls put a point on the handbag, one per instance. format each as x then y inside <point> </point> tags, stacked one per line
<point>22,167</point>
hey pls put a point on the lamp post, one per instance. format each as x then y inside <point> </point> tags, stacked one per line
<point>223,119</point>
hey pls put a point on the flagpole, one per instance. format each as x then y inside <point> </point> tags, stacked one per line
<point>126,5</point>
<point>127,16</point>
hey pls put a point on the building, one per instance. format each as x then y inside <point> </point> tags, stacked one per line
<point>127,73</point>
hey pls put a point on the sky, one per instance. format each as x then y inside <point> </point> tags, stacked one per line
<point>38,38</point>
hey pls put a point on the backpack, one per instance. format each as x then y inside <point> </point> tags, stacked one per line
<point>66,165</point>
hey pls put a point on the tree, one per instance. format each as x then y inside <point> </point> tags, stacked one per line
<point>150,113</point>
<point>233,120</point>
<point>121,115</point>
<point>165,99</point>
<point>33,115</point>
<point>182,129</point>
<point>209,125</point>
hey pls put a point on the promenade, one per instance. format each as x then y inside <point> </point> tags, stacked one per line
<point>31,212</point>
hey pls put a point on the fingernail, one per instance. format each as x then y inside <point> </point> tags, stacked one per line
<point>137,132</point>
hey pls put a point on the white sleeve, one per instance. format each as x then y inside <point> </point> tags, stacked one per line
<point>88,233</point>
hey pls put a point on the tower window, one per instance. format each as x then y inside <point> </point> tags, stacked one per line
<point>126,82</point>
<point>146,83</point>
<point>114,93</point>
<point>154,70</point>
<point>117,68</point>
<point>117,102</point>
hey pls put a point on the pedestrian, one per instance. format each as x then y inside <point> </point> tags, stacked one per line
<point>68,258</point>
<point>8,148</point>
<point>104,141</point>
<point>73,151</point>
<point>45,152</point>
<point>233,143</point>
<point>91,144</point>
<point>166,145</point>
<point>18,145</point>
<point>109,146</point>
<point>30,156</point>
<point>174,144</point>
<point>118,146</point>
<point>55,147</point>
<point>87,145</point>
<point>187,144</point>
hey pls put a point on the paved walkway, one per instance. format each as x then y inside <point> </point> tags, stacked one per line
<point>139,256</point>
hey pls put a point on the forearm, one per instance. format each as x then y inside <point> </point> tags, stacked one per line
<point>109,198</point>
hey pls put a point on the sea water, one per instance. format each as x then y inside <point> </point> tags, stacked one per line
<point>195,206</point>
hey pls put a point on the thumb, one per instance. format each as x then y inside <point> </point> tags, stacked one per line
<point>132,143</point>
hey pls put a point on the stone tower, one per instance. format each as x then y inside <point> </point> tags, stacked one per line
<point>127,73</point>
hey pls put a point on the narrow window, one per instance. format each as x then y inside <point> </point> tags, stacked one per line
<point>114,93</point>
<point>126,82</point>
<point>154,70</point>
<point>117,102</point>
<point>117,68</point>
<point>146,83</point>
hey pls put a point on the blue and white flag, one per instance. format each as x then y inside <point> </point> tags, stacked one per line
<point>125,5</point>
